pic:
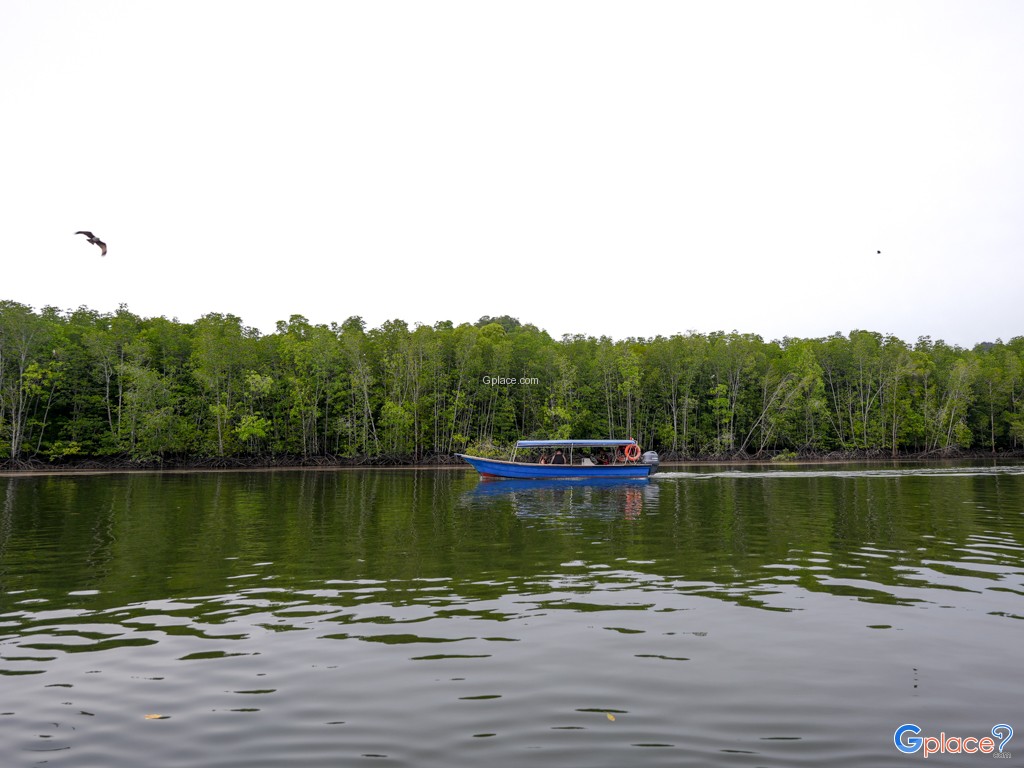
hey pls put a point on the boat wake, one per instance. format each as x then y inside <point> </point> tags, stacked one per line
<point>896,472</point>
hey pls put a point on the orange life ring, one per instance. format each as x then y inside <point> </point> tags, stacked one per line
<point>632,452</point>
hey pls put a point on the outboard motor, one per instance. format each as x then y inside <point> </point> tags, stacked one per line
<point>651,457</point>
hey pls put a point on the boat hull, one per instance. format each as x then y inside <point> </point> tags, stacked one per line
<point>514,470</point>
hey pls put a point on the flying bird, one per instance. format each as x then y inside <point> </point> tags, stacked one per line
<point>94,240</point>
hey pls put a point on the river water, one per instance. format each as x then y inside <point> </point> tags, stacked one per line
<point>750,617</point>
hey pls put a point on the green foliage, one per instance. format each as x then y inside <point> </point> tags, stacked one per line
<point>252,428</point>
<point>488,449</point>
<point>84,384</point>
<point>784,456</point>
<point>61,450</point>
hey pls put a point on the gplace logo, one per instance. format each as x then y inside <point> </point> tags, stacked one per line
<point>908,741</point>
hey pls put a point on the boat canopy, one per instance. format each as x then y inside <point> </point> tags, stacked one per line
<point>573,443</point>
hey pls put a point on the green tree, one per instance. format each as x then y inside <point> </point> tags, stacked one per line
<point>24,337</point>
<point>220,357</point>
<point>359,422</point>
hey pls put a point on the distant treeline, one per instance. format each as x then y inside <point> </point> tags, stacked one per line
<point>85,385</point>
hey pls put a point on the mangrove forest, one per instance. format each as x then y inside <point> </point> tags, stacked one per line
<point>82,386</point>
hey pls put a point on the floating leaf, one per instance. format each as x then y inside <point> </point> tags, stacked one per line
<point>610,716</point>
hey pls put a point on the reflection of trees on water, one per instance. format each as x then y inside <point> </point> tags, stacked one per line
<point>7,517</point>
<point>744,539</point>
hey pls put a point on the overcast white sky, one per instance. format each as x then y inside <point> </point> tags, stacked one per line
<point>620,168</point>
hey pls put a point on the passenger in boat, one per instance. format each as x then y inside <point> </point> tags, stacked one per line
<point>558,458</point>
<point>543,458</point>
<point>604,458</point>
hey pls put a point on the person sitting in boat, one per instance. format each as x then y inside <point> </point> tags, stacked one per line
<point>543,458</point>
<point>558,458</point>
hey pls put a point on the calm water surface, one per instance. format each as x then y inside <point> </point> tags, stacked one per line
<point>421,618</point>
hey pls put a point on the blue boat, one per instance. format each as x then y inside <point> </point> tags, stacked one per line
<point>624,463</point>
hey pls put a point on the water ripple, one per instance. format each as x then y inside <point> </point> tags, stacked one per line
<point>403,621</point>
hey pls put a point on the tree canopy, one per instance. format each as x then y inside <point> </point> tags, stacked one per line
<point>77,384</point>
